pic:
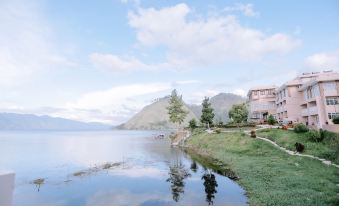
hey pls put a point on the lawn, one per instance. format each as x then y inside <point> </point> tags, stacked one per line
<point>327,149</point>
<point>270,176</point>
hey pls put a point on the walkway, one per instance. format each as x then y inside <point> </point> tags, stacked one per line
<point>324,161</point>
<point>180,138</point>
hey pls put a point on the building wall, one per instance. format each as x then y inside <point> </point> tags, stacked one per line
<point>302,99</point>
<point>261,101</point>
<point>315,111</point>
<point>288,105</point>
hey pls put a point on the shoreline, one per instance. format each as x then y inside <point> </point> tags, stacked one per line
<point>268,176</point>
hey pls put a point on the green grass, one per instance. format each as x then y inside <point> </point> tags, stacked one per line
<point>270,176</point>
<point>328,148</point>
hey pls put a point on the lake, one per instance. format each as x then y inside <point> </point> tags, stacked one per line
<point>105,168</point>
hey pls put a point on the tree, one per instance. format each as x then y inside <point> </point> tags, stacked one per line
<point>271,120</point>
<point>175,109</point>
<point>336,119</point>
<point>210,184</point>
<point>193,124</point>
<point>207,112</point>
<point>238,113</point>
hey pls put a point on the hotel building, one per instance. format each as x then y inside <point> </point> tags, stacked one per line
<point>311,98</point>
<point>261,101</point>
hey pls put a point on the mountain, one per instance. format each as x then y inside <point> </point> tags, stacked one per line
<point>221,104</point>
<point>154,116</point>
<point>13,121</point>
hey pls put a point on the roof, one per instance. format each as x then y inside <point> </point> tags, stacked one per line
<point>310,78</point>
<point>322,78</point>
<point>263,87</point>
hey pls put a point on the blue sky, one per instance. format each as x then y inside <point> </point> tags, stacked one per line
<point>105,60</point>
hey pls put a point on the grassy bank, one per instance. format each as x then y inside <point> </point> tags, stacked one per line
<point>328,148</point>
<point>270,176</point>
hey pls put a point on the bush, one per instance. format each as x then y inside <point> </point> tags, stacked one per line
<point>315,136</point>
<point>253,134</point>
<point>244,124</point>
<point>335,119</point>
<point>271,120</point>
<point>299,147</point>
<point>218,130</point>
<point>300,128</point>
<point>193,124</point>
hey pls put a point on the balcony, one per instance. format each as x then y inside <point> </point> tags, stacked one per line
<point>304,103</point>
<point>330,93</point>
<point>313,110</point>
<point>309,111</point>
<point>281,109</point>
<point>311,99</point>
<point>304,112</point>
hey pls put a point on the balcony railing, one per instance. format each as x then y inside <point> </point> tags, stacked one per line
<point>304,112</point>
<point>309,111</point>
<point>312,110</point>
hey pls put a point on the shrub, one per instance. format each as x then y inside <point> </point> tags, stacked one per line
<point>300,128</point>
<point>315,136</point>
<point>271,120</point>
<point>218,130</point>
<point>253,134</point>
<point>299,147</point>
<point>193,124</point>
<point>335,119</point>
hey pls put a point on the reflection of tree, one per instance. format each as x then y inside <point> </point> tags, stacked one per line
<point>194,166</point>
<point>210,184</point>
<point>177,174</point>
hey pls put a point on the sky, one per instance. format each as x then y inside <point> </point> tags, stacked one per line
<point>102,61</point>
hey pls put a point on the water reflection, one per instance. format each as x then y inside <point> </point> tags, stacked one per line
<point>194,166</point>
<point>177,174</point>
<point>210,184</point>
<point>82,169</point>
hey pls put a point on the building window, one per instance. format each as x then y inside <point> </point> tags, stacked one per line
<point>332,115</point>
<point>332,101</point>
<point>284,94</point>
<point>329,86</point>
<point>269,92</point>
<point>315,91</point>
<point>305,95</point>
<point>262,92</point>
<point>255,93</point>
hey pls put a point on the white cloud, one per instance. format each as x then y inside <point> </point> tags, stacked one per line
<point>122,64</point>
<point>246,9</point>
<point>323,61</point>
<point>197,97</point>
<point>185,82</point>
<point>191,41</point>
<point>114,105</point>
<point>121,198</point>
<point>26,43</point>
<point>240,92</point>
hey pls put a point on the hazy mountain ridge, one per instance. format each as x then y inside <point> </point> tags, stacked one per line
<point>221,103</point>
<point>13,121</point>
<point>154,116</point>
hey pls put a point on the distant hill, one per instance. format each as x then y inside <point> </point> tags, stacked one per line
<point>221,104</point>
<point>12,121</point>
<point>154,116</point>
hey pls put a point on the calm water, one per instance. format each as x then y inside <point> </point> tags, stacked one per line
<point>142,170</point>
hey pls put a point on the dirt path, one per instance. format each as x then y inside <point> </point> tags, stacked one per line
<point>180,137</point>
<point>324,161</point>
